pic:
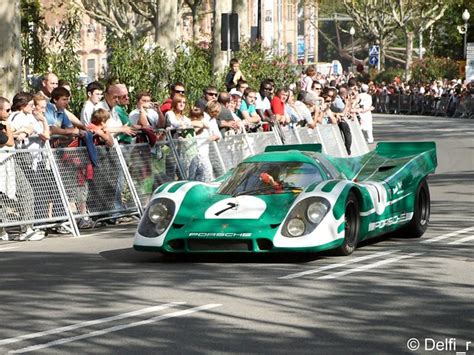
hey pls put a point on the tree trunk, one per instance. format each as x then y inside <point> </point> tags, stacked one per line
<point>167,29</point>
<point>196,26</point>
<point>241,7</point>
<point>10,48</point>
<point>219,58</point>
<point>409,54</point>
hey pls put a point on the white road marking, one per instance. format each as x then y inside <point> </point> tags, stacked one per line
<point>368,266</point>
<point>90,323</point>
<point>333,266</point>
<point>115,329</point>
<point>449,235</point>
<point>462,240</point>
<point>8,248</point>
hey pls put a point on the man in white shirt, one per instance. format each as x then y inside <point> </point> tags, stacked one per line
<point>94,95</point>
<point>144,115</point>
<point>365,112</point>
<point>109,103</point>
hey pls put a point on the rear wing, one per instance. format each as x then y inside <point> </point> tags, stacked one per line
<point>310,147</point>
<point>403,149</point>
<point>394,150</point>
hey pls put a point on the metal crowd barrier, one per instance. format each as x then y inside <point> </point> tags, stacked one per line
<point>32,191</point>
<point>359,144</point>
<point>452,106</point>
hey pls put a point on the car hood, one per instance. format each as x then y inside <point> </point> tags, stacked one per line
<point>202,207</point>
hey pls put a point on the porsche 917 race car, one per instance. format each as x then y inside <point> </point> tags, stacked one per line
<point>293,198</point>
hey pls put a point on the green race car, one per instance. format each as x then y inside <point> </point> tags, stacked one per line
<point>294,198</point>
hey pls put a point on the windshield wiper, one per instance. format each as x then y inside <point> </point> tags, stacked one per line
<point>265,188</point>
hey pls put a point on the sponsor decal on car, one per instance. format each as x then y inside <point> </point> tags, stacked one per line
<point>227,235</point>
<point>390,221</point>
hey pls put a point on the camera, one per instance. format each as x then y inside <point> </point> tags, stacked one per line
<point>3,127</point>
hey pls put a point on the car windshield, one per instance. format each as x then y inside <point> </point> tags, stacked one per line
<point>270,177</point>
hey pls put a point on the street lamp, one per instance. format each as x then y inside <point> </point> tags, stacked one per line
<point>463,29</point>
<point>352,32</point>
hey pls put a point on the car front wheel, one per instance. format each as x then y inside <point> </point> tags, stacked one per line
<point>351,226</point>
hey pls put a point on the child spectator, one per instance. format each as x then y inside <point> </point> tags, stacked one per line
<point>94,92</point>
<point>234,74</point>
<point>101,137</point>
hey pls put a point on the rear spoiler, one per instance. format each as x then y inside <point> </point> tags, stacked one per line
<point>317,148</point>
<point>403,149</point>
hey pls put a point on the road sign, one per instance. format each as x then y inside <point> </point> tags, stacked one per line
<point>373,61</point>
<point>374,51</point>
<point>374,56</point>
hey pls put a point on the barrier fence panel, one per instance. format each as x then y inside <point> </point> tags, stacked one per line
<point>149,167</point>
<point>234,149</point>
<point>442,106</point>
<point>359,144</point>
<point>31,192</point>
<point>308,135</point>
<point>257,142</point>
<point>331,140</point>
<point>292,136</point>
<point>394,103</point>
<point>405,104</point>
<point>94,190</point>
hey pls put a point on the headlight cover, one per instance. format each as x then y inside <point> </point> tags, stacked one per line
<point>296,227</point>
<point>157,217</point>
<point>310,211</point>
<point>316,212</point>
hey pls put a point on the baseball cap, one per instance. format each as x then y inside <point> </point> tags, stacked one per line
<point>235,92</point>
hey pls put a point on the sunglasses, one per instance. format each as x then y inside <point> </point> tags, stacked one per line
<point>211,93</point>
<point>317,89</point>
<point>179,91</point>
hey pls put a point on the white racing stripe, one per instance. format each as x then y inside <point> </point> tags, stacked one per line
<point>449,235</point>
<point>368,266</point>
<point>115,329</point>
<point>333,266</point>
<point>462,240</point>
<point>90,323</point>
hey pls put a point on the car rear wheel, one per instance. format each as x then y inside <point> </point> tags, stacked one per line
<point>351,228</point>
<point>421,213</point>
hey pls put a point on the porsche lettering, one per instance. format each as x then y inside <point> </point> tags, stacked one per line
<point>228,235</point>
<point>388,222</point>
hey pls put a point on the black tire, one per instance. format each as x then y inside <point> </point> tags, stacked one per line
<point>421,213</point>
<point>351,229</point>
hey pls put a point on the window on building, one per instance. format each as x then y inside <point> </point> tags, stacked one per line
<point>289,11</point>
<point>91,69</point>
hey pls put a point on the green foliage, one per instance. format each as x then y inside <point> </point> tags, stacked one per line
<point>389,75</point>
<point>257,64</point>
<point>444,40</point>
<point>58,55</point>
<point>62,57</point>
<point>193,67</point>
<point>433,68</point>
<point>141,67</point>
<point>33,48</point>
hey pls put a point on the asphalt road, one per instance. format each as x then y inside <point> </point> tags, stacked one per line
<point>95,295</point>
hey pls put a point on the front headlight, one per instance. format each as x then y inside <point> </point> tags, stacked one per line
<point>157,212</point>
<point>305,217</point>
<point>316,212</point>
<point>296,227</point>
<point>157,217</point>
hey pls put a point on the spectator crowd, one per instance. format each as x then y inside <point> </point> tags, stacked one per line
<point>28,120</point>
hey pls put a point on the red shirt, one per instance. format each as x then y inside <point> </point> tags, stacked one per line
<point>278,106</point>
<point>166,105</point>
